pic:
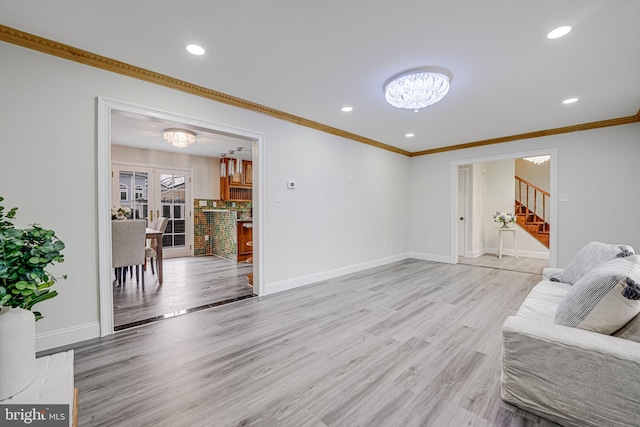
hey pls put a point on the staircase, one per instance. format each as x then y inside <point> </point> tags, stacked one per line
<point>530,209</point>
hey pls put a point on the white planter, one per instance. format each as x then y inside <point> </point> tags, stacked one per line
<point>17,350</point>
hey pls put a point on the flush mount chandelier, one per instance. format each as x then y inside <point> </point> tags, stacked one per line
<point>416,90</point>
<point>179,138</point>
<point>538,160</point>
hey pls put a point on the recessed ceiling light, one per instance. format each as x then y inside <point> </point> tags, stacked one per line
<point>347,109</point>
<point>195,49</point>
<point>559,32</point>
<point>570,101</point>
<point>409,135</point>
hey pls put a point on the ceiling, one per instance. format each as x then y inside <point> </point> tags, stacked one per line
<point>146,132</point>
<point>310,59</point>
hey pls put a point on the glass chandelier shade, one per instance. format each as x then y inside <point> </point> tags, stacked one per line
<point>179,138</point>
<point>538,160</point>
<point>416,90</point>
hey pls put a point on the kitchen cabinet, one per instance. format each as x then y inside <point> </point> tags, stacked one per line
<point>245,239</point>
<point>236,186</point>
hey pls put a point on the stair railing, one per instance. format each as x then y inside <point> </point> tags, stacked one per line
<point>537,193</point>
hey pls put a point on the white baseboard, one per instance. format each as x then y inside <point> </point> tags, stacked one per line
<point>430,257</point>
<point>527,254</point>
<point>47,340</point>
<point>474,254</point>
<point>296,282</point>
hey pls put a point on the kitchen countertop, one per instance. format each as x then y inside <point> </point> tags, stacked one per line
<point>227,210</point>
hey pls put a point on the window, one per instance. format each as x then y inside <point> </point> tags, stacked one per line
<point>124,191</point>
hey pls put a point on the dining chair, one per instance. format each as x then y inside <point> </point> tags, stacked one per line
<point>127,247</point>
<point>151,247</point>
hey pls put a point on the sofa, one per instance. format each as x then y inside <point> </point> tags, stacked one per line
<point>569,375</point>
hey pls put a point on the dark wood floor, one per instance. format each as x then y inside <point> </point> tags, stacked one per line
<point>413,343</point>
<point>188,283</point>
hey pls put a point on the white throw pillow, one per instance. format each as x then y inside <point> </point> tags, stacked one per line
<point>605,299</point>
<point>591,256</point>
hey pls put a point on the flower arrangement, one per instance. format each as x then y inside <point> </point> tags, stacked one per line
<point>120,212</point>
<point>504,218</point>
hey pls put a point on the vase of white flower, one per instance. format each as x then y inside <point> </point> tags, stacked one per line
<point>504,218</point>
<point>120,212</point>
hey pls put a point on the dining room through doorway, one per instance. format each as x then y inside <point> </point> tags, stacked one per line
<point>155,180</point>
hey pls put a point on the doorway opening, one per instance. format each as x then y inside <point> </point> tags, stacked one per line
<point>482,186</point>
<point>155,180</point>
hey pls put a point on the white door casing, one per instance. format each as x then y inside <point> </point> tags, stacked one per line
<point>105,107</point>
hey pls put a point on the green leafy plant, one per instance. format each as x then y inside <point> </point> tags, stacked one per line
<point>24,255</point>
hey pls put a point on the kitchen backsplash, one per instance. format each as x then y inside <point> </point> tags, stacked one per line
<point>203,225</point>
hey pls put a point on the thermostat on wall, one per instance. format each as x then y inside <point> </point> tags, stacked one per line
<point>291,184</point>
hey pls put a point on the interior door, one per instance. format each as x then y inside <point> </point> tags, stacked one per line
<point>462,211</point>
<point>174,195</point>
<point>153,192</point>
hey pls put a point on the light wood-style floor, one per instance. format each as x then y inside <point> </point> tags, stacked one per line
<point>413,343</point>
<point>522,264</point>
<point>188,283</point>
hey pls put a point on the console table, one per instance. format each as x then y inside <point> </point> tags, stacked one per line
<point>53,385</point>
<point>501,232</point>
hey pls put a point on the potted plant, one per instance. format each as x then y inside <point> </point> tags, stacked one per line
<point>24,282</point>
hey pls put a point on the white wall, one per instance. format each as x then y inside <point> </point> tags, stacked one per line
<point>499,197</point>
<point>206,170</point>
<point>537,175</point>
<point>325,227</point>
<point>499,193</point>
<point>595,168</point>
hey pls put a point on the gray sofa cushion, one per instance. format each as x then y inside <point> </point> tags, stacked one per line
<point>630,331</point>
<point>601,300</point>
<point>542,302</point>
<point>590,256</point>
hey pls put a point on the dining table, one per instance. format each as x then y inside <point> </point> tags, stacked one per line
<point>157,235</point>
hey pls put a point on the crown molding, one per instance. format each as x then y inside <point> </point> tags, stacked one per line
<point>536,134</point>
<point>31,41</point>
